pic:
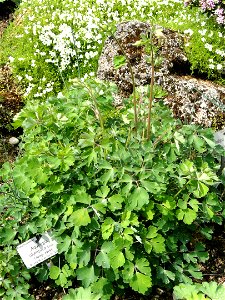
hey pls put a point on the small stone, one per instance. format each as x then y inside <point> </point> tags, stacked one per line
<point>13,141</point>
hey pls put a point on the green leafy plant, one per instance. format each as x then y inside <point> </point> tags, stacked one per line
<point>124,210</point>
<point>151,57</point>
<point>199,291</point>
<point>45,52</point>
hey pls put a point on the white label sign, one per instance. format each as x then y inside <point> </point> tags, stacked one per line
<point>33,252</point>
<point>220,137</point>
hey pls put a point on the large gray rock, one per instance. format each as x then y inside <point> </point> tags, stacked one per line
<point>191,99</point>
<point>170,49</point>
<point>194,100</point>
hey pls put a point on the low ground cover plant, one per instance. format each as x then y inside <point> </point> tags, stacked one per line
<point>214,8</point>
<point>50,42</point>
<point>127,212</point>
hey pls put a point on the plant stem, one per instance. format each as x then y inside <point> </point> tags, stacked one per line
<point>133,83</point>
<point>151,93</point>
<point>97,113</point>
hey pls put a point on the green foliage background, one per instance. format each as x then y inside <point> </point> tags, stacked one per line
<point>122,209</point>
<point>30,41</point>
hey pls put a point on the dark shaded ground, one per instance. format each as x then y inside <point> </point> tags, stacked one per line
<point>10,95</point>
<point>214,268</point>
<point>6,14</point>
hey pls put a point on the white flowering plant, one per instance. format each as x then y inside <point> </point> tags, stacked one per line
<point>204,41</point>
<point>50,42</point>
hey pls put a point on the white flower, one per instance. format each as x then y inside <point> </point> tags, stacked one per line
<point>60,95</point>
<point>33,63</point>
<point>77,44</point>
<point>202,32</point>
<point>31,18</point>
<point>28,77</point>
<point>189,31</point>
<point>212,66</point>
<point>88,35</point>
<point>208,46</point>
<point>11,59</point>
<point>210,34</point>
<point>219,67</point>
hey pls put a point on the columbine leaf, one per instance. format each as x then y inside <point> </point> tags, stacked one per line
<point>141,283</point>
<point>158,244</point>
<point>187,215</point>
<point>149,211</point>
<point>7,235</point>
<point>81,294</point>
<point>209,212</point>
<point>152,232</point>
<point>80,195</point>
<point>187,167</point>
<point>64,244</point>
<point>103,192</point>
<point>198,143</point>
<point>128,271</point>
<point>152,187</point>
<point>184,291</point>
<point>54,272</point>
<point>108,176</point>
<point>213,290</point>
<point>107,228</point>
<point>86,275</point>
<point>83,257</point>
<point>154,241</point>
<point>115,202</point>
<point>138,199</point>
<point>102,260</point>
<point>117,259</point>
<point>104,287</point>
<point>143,266</point>
<point>62,280</point>
<point>55,188</point>
<point>194,204</point>
<point>193,270</point>
<point>201,190</point>
<point>165,275</point>
<point>80,217</point>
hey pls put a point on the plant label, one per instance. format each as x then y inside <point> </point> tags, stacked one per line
<point>220,137</point>
<point>35,251</point>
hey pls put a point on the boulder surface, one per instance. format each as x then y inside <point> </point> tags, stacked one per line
<point>192,99</point>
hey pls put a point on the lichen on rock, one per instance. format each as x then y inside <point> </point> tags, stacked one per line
<point>191,99</point>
